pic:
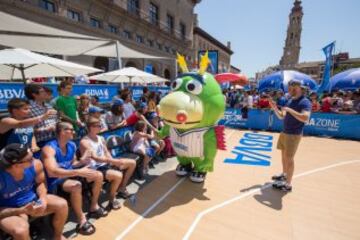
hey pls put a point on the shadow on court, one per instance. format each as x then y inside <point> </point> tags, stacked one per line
<point>267,196</point>
<point>182,195</point>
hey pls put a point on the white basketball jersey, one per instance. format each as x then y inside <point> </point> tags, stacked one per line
<point>190,143</point>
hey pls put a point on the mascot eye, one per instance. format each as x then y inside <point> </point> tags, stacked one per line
<point>194,87</point>
<point>176,84</point>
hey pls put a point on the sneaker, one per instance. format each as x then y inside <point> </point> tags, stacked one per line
<point>198,177</point>
<point>183,170</point>
<point>151,164</point>
<point>279,177</point>
<point>282,186</point>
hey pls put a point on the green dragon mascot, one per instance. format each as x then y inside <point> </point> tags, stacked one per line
<point>190,113</point>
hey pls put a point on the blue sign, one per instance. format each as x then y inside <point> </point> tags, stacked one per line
<point>137,91</point>
<point>233,118</point>
<point>320,124</point>
<point>250,150</point>
<point>148,68</point>
<point>325,84</point>
<point>16,90</point>
<point>214,60</point>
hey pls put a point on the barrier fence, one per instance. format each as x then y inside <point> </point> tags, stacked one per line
<point>105,92</point>
<point>320,124</point>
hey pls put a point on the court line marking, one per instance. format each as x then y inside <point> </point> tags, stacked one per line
<point>155,204</point>
<point>251,192</point>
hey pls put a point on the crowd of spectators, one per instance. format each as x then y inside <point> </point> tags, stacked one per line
<point>339,102</point>
<point>52,147</point>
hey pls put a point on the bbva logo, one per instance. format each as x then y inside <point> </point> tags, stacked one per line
<point>323,122</point>
<point>101,93</point>
<point>11,93</point>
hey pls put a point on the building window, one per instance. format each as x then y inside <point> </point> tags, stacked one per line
<point>150,42</point>
<point>133,6</point>
<point>173,51</point>
<point>73,15</point>
<point>170,23</point>
<point>139,39</point>
<point>154,14</point>
<point>113,29</point>
<point>183,30</point>
<point>47,5</point>
<point>167,49</point>
<point>127,34</point>
<point>159,46</point>
<point>95,23</point>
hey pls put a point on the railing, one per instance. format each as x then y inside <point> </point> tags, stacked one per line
<point>320,124</point>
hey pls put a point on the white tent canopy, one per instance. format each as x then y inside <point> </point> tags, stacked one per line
<point>21,33</point>
<point>21,63</point>
<point>129,75</point>
<point>110,51</point>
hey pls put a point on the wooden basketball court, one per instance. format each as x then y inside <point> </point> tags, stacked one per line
<point>237,202</point>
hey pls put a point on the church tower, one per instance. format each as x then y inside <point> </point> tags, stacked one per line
<point>292,43</point>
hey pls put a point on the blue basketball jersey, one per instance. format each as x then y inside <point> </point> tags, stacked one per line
<point>17,193</point>
<point>63,161</point>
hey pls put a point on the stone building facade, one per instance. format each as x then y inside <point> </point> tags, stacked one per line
<point>155,27</point>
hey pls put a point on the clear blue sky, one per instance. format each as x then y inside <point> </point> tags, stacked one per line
<point>257,28</point>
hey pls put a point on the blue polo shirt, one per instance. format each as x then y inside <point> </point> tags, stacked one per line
<point>291,124</point>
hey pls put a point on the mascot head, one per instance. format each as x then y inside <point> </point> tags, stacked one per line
<point>196,99</point>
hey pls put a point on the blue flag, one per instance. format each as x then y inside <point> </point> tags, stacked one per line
<point>325,84</point>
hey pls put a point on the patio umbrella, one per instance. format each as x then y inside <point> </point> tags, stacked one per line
<point>233,78</point>
<point>279,81</point>
<point>20,64</point>
<point>347,80</point>
<point>128,75</point>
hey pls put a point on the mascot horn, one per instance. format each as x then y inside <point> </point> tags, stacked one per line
<point>191,112</point>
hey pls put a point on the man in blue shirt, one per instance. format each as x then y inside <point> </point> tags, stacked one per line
<point>63,172</point>
<point>23,193</point>
<point>18,127</point>
<point>295,114</point>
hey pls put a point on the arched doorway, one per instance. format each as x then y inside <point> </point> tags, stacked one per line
<point>154,70</point>
<point>102,63</point>
<point>167,74</point>
<point>130,64</point>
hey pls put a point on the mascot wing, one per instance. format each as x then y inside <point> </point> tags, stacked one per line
<point>220,137</point>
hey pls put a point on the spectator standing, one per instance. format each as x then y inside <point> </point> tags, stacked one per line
<point>247,104</point>
<point>280,99</point>
<point>67,104</point>
<point>45,130</point>
<point>326,103</point>
<point>151,103</point>
<point>356,97</point>
<point>295,114</point>
<point>315,105</point>
<point>264,102</point>
<point>83,109</point>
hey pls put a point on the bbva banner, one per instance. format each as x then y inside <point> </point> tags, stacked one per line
<point>321,124</point>
<point>16,90</point>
